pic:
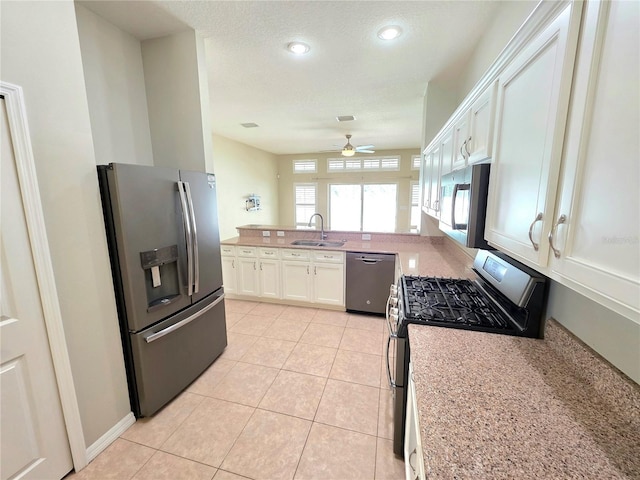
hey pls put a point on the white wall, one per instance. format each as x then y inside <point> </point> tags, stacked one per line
<point>112,62</point>
<point>509,16</point>
<point>40,51</point>
<point>242,170</point>
<point>176,96</point>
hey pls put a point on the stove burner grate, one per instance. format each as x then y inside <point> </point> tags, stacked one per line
<point>450,301</point>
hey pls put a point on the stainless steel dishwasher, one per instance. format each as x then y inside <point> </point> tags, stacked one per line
<point>369,276</point>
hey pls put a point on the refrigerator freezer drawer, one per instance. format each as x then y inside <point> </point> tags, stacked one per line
<point>170,355</point>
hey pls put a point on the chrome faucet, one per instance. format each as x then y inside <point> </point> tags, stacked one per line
<point>323,235</point>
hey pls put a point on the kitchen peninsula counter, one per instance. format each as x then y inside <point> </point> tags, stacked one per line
<point>427,256</point>
<point>500,407</point>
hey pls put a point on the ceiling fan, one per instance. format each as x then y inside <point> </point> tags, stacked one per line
<point>349,150</point>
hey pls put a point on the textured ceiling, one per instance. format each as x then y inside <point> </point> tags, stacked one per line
<point>349,71</point>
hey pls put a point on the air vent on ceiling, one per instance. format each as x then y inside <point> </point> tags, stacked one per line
<point>345,118</point>
<point>249,125</point>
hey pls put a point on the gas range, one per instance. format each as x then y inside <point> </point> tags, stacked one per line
<point>506,298</point>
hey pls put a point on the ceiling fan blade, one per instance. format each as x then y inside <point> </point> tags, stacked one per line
<point>365,151</point>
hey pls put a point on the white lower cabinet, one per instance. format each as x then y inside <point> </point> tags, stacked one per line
<point>328,278</point>
<point>307,276</point>
<point>248,280</point>
<point>413,459</point>
<point>296,275</point>
<point>269,273</point>
<point>229,274</point>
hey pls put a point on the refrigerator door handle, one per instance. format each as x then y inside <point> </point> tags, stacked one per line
<point>194,236</point>
<point>165,331</point>
<point>186,218</point>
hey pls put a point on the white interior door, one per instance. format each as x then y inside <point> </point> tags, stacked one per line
<point>34,441</point>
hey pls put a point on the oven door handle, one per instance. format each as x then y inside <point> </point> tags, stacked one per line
<point>392,384</point>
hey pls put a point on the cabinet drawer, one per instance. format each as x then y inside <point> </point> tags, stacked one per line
<point>246,251</point>
<point>294,254</point>
<point>269,252</point>
<point>328,257</point>
<point>227,250</point>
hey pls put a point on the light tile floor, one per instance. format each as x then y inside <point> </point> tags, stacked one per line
<point>299,393</point>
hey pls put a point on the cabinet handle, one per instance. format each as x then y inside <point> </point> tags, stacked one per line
<point>233,263</point>
<point>562,219</point>
<point>410,457</point>
<point>466,147</point>
<point>254,265</point>
<point>260,266</point>
<point>307,269</point>
<point>315,270</point>
<point>461,146</point>
<point>537,219</point>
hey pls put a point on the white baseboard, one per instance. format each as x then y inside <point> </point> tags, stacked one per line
<point>108,438</point>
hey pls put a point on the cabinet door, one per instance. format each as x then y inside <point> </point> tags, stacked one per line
<point>269,275</point>
<point>247,276</point>
<point>229,277</point>
<point>328,285</point>
<point>426,180</point>
<point>434,183</point>
<point>460,140</point>
<point>597,244</point>
<point>413,459</point>
<point>296,281</point>
<point>446,153</point>
<point>479,144</point>
<point>532,101</point>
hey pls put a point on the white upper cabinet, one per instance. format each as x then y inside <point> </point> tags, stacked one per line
<point>533,96</point>
<point>446,152</point>
<point>479,146</point>
<point>597,244</point>
<point>460,141</point>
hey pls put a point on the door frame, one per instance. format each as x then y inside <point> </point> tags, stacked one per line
<point>26,170</point>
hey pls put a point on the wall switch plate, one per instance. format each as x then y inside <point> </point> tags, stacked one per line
<point>266,233</point>
<point>280,233</point>
<point>366,236</point>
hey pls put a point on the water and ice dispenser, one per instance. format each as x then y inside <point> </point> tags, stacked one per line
<point>162,278</point>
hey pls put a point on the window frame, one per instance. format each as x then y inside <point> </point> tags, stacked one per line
<point>361,164</point>
<point>414,184</point>
<point>295,203</point>
<point>304,171</point>
<point>362,185</point>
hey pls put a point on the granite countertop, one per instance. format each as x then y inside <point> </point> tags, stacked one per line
<point>417,255</point>
<point>496,406</point>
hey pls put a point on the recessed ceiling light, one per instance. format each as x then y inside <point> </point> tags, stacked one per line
<point>298,48</point>
<point>249,125</point>
<point>345,118</point>
<point>389,32</point>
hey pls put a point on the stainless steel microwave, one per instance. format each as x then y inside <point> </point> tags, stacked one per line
<point>463,198</point>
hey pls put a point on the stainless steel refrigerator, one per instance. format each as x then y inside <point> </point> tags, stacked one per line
<point>164,245</point>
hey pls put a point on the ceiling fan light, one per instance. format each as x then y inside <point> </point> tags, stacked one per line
<point>298,48</point>
<point>348,152</point>
<point>389,32</point>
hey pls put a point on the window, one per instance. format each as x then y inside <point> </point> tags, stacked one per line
<point>414,221</point>
<point>416,160</point>
<point>363,207</point>
<point>364,163</point>
<point>305,202</point>
<point>304,166</point>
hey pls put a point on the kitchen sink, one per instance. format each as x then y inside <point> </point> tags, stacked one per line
<point>317,243</point>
